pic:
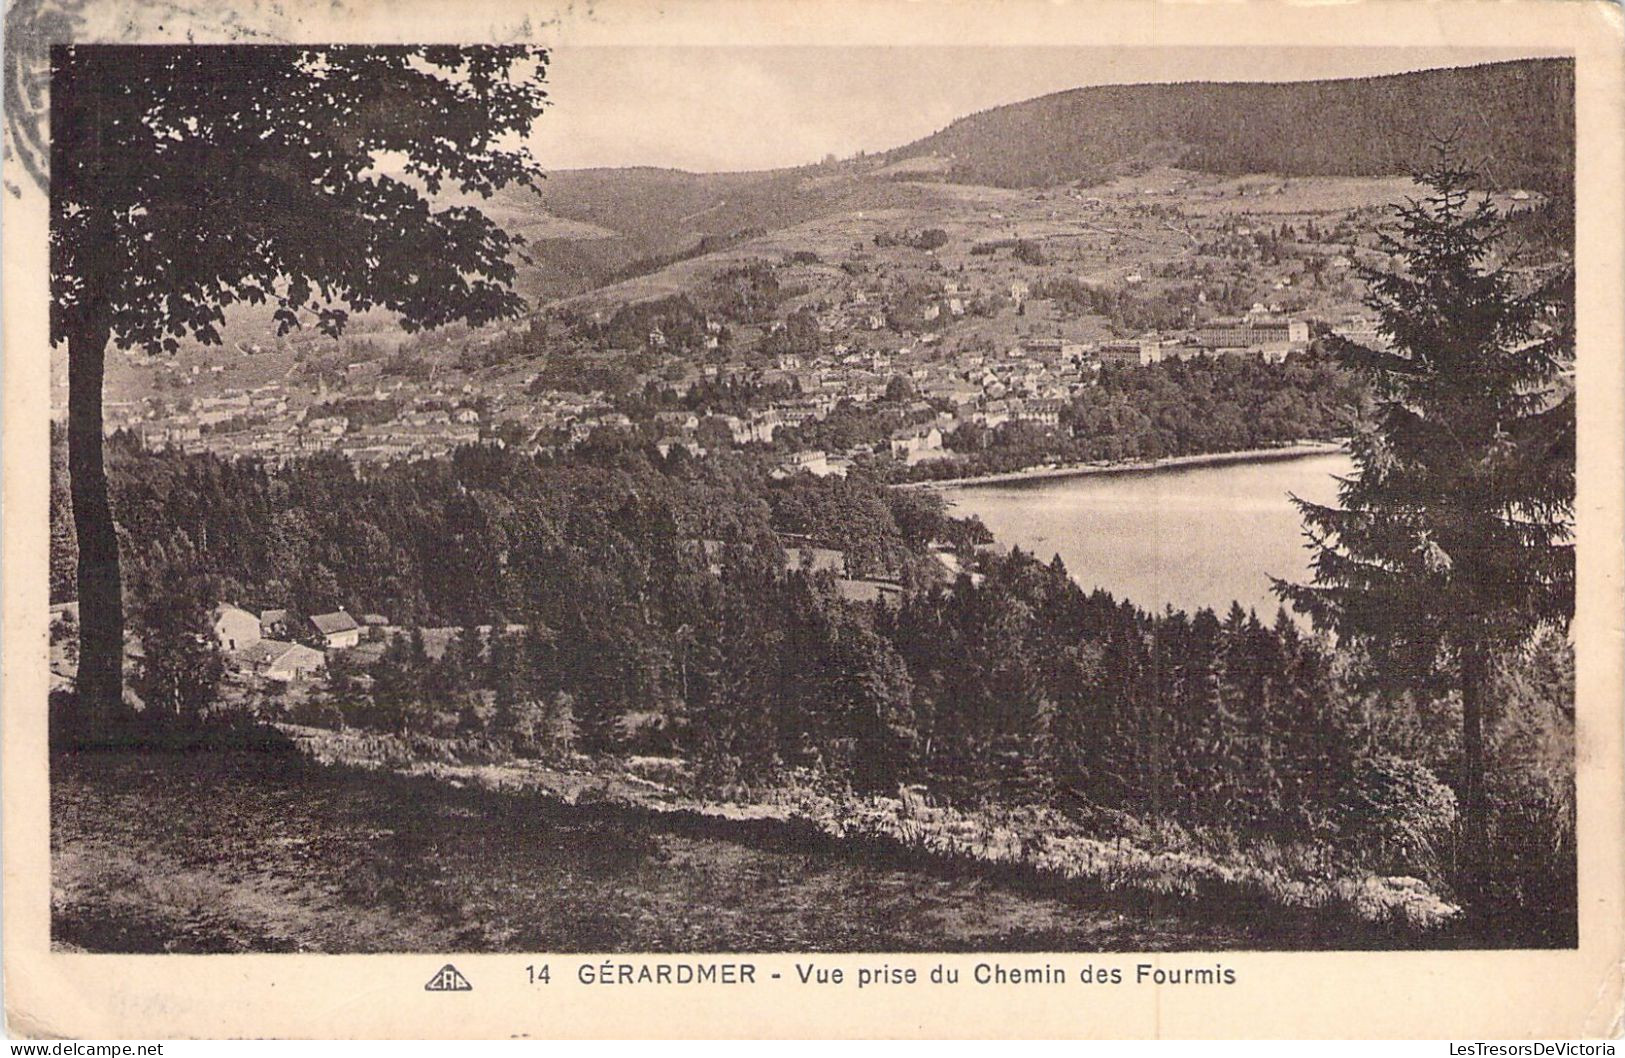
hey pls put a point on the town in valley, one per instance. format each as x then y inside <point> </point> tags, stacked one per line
<point>977,307</point>
<point>652,610</point>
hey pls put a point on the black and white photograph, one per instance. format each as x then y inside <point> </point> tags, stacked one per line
<point>792,499</point>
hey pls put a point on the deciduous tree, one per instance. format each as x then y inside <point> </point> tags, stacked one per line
<point>187,179</point>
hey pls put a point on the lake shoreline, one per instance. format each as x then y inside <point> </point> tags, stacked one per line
<point>1295,450</point>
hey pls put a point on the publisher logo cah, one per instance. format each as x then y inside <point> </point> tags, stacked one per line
<point>448,979</point>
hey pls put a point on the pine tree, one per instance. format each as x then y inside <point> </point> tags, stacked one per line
<point>1451,543</point>
<point>558,729</point>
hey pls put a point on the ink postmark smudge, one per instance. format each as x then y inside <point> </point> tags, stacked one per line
<point>32,26</point>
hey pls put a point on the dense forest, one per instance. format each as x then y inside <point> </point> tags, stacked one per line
<point>616,604</point>
<point>1352,127</point>
<point>1175,408</point>
<point>1172,408</point>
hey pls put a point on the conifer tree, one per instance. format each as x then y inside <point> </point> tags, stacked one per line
<point>1451,541</point>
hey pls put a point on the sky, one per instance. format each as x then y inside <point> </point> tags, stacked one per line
<point>710,109</point>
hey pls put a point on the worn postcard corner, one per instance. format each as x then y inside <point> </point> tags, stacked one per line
<point>1611,1007</point>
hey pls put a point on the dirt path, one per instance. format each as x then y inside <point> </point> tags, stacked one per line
<point>242,852</point>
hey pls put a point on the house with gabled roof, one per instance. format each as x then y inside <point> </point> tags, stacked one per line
<point>282,662</point>
<point>917,443</point>
<point>235,629</point>
<point>337,630</point>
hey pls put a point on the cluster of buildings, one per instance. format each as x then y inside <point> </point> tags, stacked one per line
<point>989,381</point>
<point>264,423</point>
<point>196,416</point>
<point>278,647</point>
<point>1269,338</point>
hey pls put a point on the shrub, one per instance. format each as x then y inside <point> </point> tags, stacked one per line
<point>931,239</point>
<point>1530,785</point>
<point>1396,816</point>
<point>317,712</point>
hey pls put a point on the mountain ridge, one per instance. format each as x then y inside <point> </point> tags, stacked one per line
<point>1087,135</point>
<point>1382,126</point>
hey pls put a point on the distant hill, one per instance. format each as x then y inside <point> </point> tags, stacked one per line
<point>1514,120</point>
<point>643,214</point>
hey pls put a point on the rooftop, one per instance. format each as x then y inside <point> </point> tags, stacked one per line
<point>331,623</point>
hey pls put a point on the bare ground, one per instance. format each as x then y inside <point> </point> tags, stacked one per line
<point>213,851</point>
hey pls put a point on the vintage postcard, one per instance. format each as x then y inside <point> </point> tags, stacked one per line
<point>852,519</point>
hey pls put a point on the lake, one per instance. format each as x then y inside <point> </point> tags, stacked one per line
<point>1189,536</point>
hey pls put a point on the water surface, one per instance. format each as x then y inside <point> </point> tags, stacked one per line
<point>1188,536</point>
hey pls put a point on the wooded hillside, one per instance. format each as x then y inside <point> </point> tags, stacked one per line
<point>1350,127</point>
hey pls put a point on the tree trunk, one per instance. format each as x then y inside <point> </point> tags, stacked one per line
<point>1474,815</point>
<point>100,681</point>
